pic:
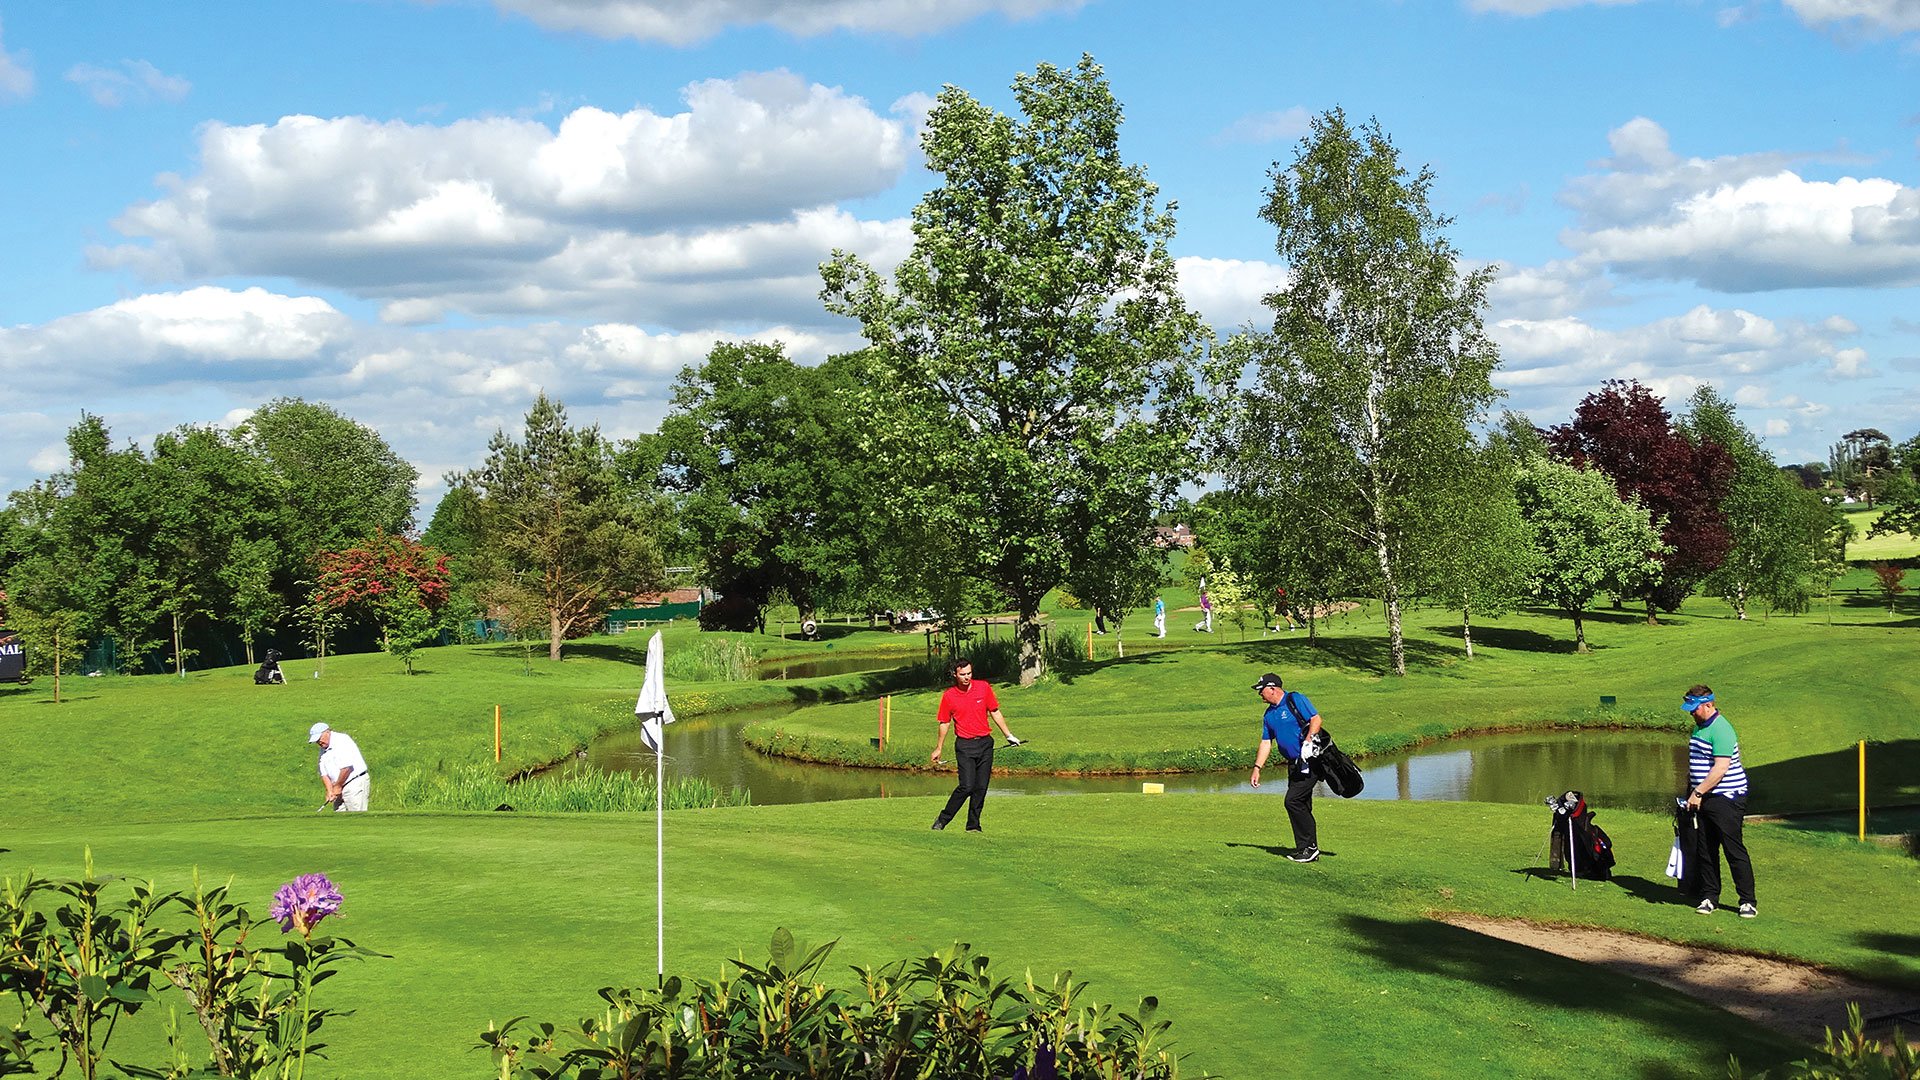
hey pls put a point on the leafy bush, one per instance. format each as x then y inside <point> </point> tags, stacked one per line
<point>1848,1055</point>
<point>76,962</point>
<point>479,787</point>
<point>939,1015</point>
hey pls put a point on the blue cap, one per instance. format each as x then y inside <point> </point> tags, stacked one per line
<point>1690,703</point>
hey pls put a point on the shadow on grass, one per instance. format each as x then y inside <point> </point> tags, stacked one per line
<point>1544,980</point>
<point>1510,638</point>
<point>1831,781</point>
<point>1888,942</point>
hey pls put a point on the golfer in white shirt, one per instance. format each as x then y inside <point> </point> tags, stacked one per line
<point>342,769</point>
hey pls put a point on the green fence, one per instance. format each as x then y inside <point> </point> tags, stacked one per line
<point>623,619</point>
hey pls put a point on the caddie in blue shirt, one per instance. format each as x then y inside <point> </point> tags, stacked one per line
<point>1291,723</point>
<point>1717,787</point>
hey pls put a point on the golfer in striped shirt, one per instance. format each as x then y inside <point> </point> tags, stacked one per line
<point>1718,789</point>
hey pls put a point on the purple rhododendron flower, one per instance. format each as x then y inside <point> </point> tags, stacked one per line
<point>300,904</point>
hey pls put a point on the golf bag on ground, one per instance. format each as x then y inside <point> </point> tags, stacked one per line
<point>1684,864</point>
<point>269,673</point>
<point>1576,843</point>
<point>1332,767</point>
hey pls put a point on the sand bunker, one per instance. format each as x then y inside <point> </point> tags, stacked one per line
<point>1800,1000</point>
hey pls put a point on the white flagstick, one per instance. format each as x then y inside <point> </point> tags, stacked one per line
<point>657,713</point>
<point>660,854</point>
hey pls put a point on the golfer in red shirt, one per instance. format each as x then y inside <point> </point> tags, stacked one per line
<point>967,706</point>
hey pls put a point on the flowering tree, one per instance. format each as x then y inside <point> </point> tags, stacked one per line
<point>402,585</point>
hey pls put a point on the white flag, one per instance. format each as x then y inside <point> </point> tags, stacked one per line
<point>654,711</point>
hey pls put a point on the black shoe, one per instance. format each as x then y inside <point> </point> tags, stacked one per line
<point>973,828</point>
<point>1305,854</point>
<point>938,825</point>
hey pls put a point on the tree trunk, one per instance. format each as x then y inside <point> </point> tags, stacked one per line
<point>1740,601</point>
<point>1027,633</point>
<point>179,661</point>
<point>246,642</point>
<point>1579,632</point>
<point>1390,594</point>
<point>56,665</point>
<point>554,634</point>
<point>1653,617</point>
<point>1466,627</point>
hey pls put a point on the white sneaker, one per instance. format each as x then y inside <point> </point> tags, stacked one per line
<point>1707,907</point>
<point>1748,911</point>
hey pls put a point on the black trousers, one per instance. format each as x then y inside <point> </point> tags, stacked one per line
<point>1721,819</point>
<point>975,758</point>
<point>1300,785</point>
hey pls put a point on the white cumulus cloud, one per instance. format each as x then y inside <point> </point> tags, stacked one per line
<point>1228,293</point>
<point>685,22</point>
<point>209,355</point>
<point>131,81</point>
<point>1741,223</point>
<point>719,212</point>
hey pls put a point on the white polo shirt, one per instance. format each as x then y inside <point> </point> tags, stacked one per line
<point>340,753</point>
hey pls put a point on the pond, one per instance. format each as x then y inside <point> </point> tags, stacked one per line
<point>1616,769</point>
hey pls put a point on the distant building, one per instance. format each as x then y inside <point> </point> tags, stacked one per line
<point>1167,536</point>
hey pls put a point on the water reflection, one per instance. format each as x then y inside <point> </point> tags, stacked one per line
<point>1624,770</point>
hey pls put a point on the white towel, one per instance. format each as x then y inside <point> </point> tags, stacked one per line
<point>1676,862</point>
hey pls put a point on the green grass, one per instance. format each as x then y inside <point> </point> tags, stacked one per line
<point>1873,549</point>
<point>1266,968</point>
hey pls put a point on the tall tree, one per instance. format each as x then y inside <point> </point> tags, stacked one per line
<point>559,525</point>
<point>213,508</point>
<point>776,494</point>
<point>340,480</point>
<point>1780,531</point>
<point>1590,540</point>
<point>1625,431</point>
<point>1378,362</point>
<point>1033,343</point>
<point>81,541</point>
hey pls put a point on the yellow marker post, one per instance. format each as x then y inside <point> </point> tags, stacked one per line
<point>1863,791</point>
<point>1148,788</point>
<point>1089,641</point>
<point>496,733</point>
<point>887,720</point>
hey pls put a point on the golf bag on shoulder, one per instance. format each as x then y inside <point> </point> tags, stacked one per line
<point>1576,843</point>
<point>1331,766</point>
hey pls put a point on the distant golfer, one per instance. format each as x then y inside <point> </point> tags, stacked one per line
<point>1290,723</point>
<point>966,706</point>
<point>1718,789</point>
<point>342,769</point>
<point>1159,617</point>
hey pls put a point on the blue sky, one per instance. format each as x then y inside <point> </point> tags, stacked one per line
<point>425,212</point>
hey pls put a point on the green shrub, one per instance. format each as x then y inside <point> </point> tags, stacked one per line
<point>1848,1055</point>
<point>940,1015</point>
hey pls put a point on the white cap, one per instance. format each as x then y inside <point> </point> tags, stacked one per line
<point>314,732</point>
